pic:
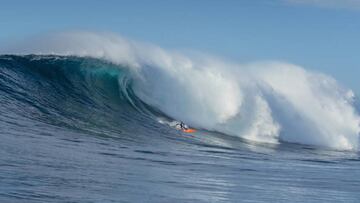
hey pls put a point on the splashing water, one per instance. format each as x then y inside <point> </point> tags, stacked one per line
<point>266,102</point>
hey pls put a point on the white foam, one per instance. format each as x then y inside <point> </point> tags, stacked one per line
<point>265,102</point>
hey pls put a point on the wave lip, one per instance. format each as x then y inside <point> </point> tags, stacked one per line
<point>266,102</point>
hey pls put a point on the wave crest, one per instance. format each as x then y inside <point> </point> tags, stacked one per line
<point>266,102</point>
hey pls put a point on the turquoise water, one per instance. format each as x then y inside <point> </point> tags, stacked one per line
<point>72,130</point>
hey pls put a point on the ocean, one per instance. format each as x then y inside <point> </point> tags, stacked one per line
<point>83,128</point>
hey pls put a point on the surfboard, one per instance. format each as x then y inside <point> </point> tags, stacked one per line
<point>189,130</point>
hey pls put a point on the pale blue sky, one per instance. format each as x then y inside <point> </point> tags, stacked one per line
<point>316,34</point>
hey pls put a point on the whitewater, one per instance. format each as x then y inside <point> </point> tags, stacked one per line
<point>82,120</point>
<point>265,101</point>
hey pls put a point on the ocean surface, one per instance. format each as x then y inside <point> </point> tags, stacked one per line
<point>88,129</point>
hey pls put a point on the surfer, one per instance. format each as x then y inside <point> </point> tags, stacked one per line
<point>181,126</point>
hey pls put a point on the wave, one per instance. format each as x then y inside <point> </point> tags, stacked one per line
<point>267,102</point>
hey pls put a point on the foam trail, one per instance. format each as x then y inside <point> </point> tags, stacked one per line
<point>266,102</point>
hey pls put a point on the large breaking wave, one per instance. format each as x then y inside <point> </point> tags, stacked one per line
<point>266,102</point>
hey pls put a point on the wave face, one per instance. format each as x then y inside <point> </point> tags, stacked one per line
<point>267,102</point>
<point>81,94</point>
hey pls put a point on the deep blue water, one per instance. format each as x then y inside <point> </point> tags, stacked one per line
<point>70,133</point>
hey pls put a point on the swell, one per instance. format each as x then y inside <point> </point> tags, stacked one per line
<point>83,94</point>
<point>267,102</point>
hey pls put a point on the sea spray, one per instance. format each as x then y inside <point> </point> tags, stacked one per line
<point>266,102</point>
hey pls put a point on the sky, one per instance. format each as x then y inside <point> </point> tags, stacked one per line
<point>321,35</point>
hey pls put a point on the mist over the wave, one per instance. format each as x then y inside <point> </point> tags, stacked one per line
<point>265,102</point>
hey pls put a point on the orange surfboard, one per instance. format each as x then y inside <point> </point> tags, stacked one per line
<point>189,130</point>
